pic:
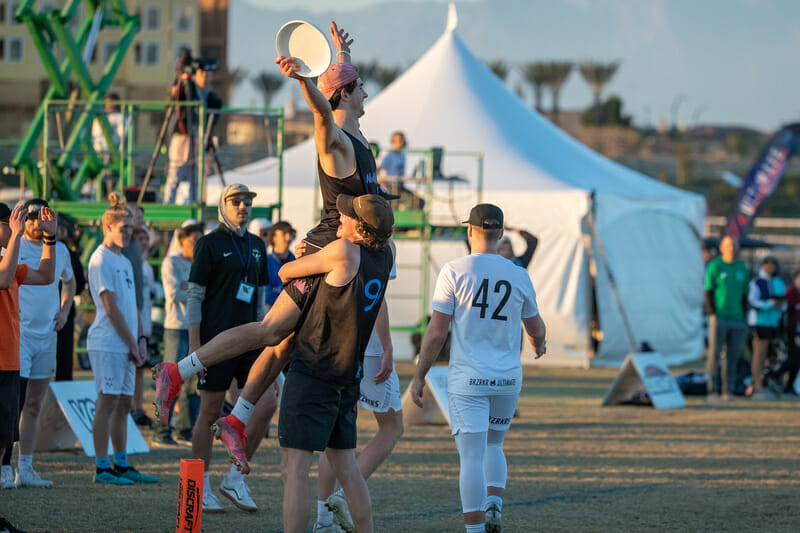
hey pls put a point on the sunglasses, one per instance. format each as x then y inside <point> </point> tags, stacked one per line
<point>246,201</point>
<point>264,233</point>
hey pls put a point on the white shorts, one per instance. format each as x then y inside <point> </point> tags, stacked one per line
<point>114,373</point>
<point>476,414</point>
<point>379,398</point>
<point>37,357</point>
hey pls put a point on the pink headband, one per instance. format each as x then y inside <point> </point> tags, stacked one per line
<point>337,75</point>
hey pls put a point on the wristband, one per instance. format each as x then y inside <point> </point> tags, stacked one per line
<point>344,52</point>
<point>49,243</point>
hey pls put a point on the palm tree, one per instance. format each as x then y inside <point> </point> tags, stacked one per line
<point>499,68</point>
<point>369,71</point>
<point>559,71</point>
<point>236,76</point>
<point>267,83</point>
<point>597,75</point>
<point>537,74</point>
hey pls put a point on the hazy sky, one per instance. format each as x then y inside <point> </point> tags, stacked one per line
<point>713,61</point>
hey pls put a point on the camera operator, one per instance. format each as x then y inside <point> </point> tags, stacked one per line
<point>192,83</point>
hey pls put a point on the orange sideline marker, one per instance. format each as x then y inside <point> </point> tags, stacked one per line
<point>190,496</point>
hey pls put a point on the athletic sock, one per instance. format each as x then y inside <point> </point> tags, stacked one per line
<point>497,500</point>
<point>234,476</point>
<point>25,462</point>
<point>207,484</point>
<point>340,492</point>
<point>242,410</point>
<point>121,459</point>
<point>324,516</point>
<point>103,463</point>
<point>189,366</point>
<point>476,528</point>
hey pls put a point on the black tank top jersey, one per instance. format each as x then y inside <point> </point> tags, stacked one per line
<point>363,181</point>
<point>336,322</point>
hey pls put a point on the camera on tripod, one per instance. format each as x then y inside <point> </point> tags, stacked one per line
<point>188,66</point>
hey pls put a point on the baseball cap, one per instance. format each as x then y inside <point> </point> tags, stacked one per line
<point>5,212</point>
<point>337,75</point>
<point>258,224</point>
<point>370,209</point>
<point>238,188</point>
<point>486,216</point>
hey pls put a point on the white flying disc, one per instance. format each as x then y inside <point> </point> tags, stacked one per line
<point>307,43</point>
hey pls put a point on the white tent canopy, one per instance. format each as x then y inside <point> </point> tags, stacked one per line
<point>543,180</point>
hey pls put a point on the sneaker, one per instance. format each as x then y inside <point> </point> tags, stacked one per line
<point>493,520</point>
<point>141,418</point>
<point>7,527</point>
<point>164,440</point>
<point>129,472</point>
<point>211,504</point>
<point>337,504</point>
<point>7,478</point>
<point>230,431</point>
<point>110,477</point>
<point>239,494</point>
<point>28,477</point>
<point>185,435</point>
<point>327,528</point>
<point>763,395</point>
<point>168,387</point>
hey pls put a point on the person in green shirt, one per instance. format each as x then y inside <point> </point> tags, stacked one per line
<point>726,285</point>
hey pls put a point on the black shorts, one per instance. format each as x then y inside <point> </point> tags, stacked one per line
<point>317,414</point>
<point>9,407</point>
<point>765,333</point>
<point>319,238</point>
<point>220,376</point>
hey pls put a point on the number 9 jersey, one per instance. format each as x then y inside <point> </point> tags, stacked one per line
<point>487,297</point>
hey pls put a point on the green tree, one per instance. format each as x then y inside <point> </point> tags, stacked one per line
<point>608,113</point>
<point>559,71</point>
<point>267,83</point>
<point>538,74</point>
<point>597,75</point>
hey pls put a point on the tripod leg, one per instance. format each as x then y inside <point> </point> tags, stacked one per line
<point>159,143</point>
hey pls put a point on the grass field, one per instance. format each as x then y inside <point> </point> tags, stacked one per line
<point>573,466</point>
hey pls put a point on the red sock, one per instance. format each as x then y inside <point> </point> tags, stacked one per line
<point>174,375</point>
<point>235,423</point>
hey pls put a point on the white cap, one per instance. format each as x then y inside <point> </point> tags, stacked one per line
<point>257,224</point>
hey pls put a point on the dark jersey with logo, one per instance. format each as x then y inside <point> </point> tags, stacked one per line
<point>220,265</point>
<point>363,181</point>
<point>336,322</point>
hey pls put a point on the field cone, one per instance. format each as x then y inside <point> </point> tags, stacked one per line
<point>190,496</point>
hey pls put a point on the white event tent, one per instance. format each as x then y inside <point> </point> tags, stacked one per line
<point>543,179</point>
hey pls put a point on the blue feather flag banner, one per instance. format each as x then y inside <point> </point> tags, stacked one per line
<point>762,180</point>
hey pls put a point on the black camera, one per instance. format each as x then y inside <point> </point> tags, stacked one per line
<point>204,63</point>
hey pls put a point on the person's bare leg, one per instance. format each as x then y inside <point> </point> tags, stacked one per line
<point>257,426</point>
<point>390,429</point>
<point>266,368</point>
<point>345,466</point>
<point>295,465</point>
<point>202,437</point>
<point>34,396</point>
<point>119,423</point>
<point>101,426</point>
<point>137,402</point>
<point>760,347</point>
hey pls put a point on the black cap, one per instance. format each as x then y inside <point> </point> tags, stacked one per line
<point>5,212</point>
<point>486,216</point>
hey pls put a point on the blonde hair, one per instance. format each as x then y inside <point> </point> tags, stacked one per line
<point>116,211</point>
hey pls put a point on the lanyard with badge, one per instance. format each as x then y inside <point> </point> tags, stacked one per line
<point>246,290</point>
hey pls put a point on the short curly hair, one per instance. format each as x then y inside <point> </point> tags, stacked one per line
<point>370,238</point>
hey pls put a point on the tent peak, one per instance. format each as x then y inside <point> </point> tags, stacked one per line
<point>452,18</point>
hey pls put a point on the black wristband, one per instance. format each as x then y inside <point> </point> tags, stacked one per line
<point>49,243</point>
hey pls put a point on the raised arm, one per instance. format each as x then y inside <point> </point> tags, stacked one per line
<point>340,40</point>
<point>8,263</point>
<point>45,274</point>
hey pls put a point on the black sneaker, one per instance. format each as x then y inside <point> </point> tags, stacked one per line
<point>6,527</point>
<point>141,419</point>
<point>165,440</point>
<point>185,435</point>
